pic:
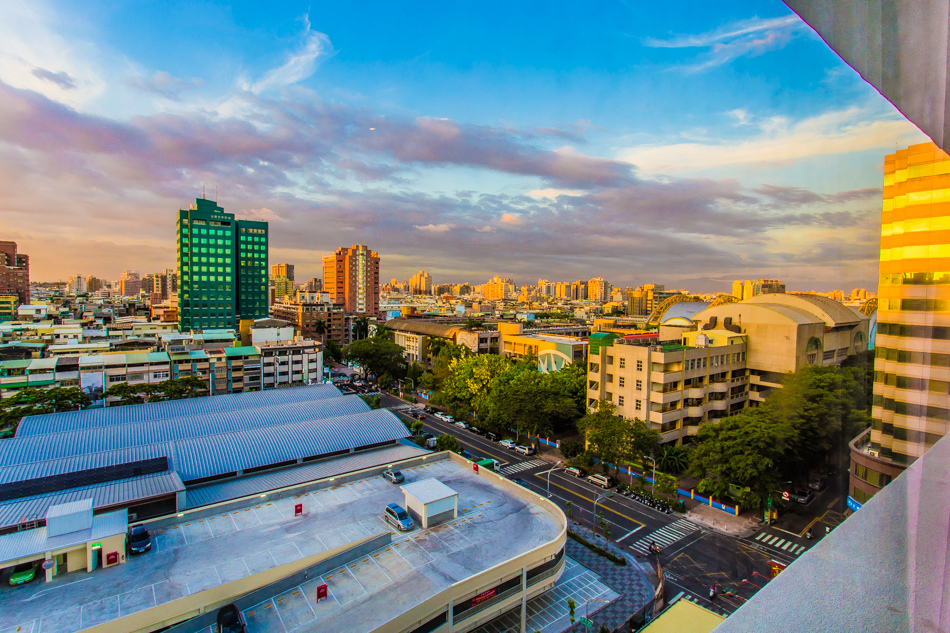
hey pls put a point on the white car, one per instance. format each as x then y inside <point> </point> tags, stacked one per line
<point>461,425</point>
<point>526,450</point>
<point>508,444</point>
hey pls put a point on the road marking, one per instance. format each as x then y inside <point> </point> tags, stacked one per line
<point>580,496</point>
<point>665,536</point>
<point>629,533</point>
<point>787,545</point>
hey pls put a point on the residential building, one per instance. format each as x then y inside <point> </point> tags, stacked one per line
<point>315,285</point>
<point>165,283</point>
<point>283,270</point>
<point>305,317</point>
<point>283,288</point>
<point>413,335</point>
<point>130,283</point>
<point>644,299</point>
<point>76,285</point>
<point>911,410</point>
<point>289,363</point>
<point>729,356</point>
<point>598,289</point>
<point>351,276</point>
<point>498,288</point>
<point>222,264</point>
<point>8,307</point>
<point>93,284</point>
<point>747,289</point>
<point>578,291</point>
<point>420,283</point>
<point>14,272</point>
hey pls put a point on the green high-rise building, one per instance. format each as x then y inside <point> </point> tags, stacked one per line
<point>222,268</point>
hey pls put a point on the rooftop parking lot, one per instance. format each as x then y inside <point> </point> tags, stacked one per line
<point>201,553</point>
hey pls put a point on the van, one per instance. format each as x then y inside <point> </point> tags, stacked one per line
<point>576,472</point>
<point>430,443</point>
<point>600,480</point>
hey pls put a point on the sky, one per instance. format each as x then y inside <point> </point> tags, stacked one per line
<point>684,143</point>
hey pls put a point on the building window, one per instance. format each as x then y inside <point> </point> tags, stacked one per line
<point>620,381</point>
<point>623,363</point>
<point>639,365</point>
<point>620,400</point>
<point>639,405</point>
<point>639,385</point>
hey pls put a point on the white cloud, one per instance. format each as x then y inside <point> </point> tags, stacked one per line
<point>511,219</point>
<point>435,228</point>
<point>299,65</point>
<point>32,52</point>
<point>553,194</point>
<point>778,139</point>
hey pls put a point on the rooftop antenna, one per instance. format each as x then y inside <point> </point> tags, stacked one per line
<point>216,194</point>
<point>203,196</point>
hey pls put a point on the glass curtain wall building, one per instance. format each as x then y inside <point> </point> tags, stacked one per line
<point>222,268</point>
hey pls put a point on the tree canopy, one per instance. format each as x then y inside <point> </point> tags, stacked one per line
<point>378,356</point>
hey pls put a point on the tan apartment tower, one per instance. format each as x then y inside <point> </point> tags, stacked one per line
<point>911,406</point>
<point>351,277</point>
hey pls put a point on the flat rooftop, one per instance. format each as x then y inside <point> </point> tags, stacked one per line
<point>203,552</point>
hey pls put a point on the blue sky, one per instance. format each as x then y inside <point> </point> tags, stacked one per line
<point>689,144</point>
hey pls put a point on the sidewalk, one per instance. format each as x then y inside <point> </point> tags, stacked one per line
<point>736,526</point>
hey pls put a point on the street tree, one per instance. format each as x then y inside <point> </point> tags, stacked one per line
<point>377,356</point>
<point>447,443</point>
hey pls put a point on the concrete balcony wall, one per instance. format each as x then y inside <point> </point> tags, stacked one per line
<point>694,392</point>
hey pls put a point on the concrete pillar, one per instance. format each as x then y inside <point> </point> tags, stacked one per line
<point>451,619</point>
<point>524,599</point>
<point>51,572</point>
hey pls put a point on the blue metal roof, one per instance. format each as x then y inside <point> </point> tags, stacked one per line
<point>111,416</point>
<point>32,448</point>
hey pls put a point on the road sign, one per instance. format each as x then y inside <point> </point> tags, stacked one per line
<point>785,496</point>
<point>587,623</point>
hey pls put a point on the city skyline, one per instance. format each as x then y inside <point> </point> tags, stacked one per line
<point>683,147</point>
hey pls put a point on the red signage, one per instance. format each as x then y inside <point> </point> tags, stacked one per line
<point>322,592</point>
<point>785,496</point>
<point>298,509</point>
<point>483,596</point>
<point>475,467</point>
<point>112,558</point>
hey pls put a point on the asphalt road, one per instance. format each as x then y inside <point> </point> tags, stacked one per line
<point>693,558</point>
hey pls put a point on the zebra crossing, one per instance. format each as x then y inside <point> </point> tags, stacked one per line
<point>511,469</point>
<point>780,543</point>
<point>665,536</point>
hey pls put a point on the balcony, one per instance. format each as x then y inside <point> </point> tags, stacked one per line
<point>667,417</point>
<point>665,397</point>
<point>719,387</point>
<point>694,392</point>
<point>695,412</point>
<point>717,405</point>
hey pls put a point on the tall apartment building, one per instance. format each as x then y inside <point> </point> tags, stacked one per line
<point>130,283</point>
<point>731,356</point>
<point>351,276</point>
<point>283,270</point>
<point>420,283</point>
<point>76,285</point>
<point>283,288</point>
<point>498,288</point>
<point>598,289</point>
<point>93,284</point>
<point>911,406</point>
<point>579,290</point>
<point>222,268</point>
<point>747,289</point>
<point>640,302</point>
<point>14,272</point>
<point>165,283</point>
<point>315,285</point>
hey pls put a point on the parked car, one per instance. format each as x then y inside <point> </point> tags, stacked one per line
<point>510,444</point>
<point>140,541</point>
<point>816,483</point>
<point>398,517</point>
<point>576,472</point>
<point>448,418</point>
<point>521,482</point>
<point>601,480</point>
<point>526,450</point>
<point>427,436</point>
<point>394,476</point>
<point>461,425</point>
<point>802,496</point>
<point>476,430</point>
<point>429,410</point>
<point>231,620</point>
<point>491,436</point>
<point>23,573</point>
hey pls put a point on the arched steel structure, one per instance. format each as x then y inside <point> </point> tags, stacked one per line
<point>654,319</point>
<point>869,307</point>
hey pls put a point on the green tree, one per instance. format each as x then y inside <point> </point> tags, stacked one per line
<point>417,427</point>
<point>571,606</point>
<point>320,329</point>
<point>641,440</point>
<point>333,350</point>
<point>360,328</point>
<point>377,356</point>
<point>607,435</point>
<point>570,449</point>
<point>444,359</point>
<point>674,459</point>
<point>447,443</point>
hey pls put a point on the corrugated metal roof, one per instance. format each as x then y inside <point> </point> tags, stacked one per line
<point>32,448</point>
<point>36,543</point>
<point>157,357</point>
<point>210,455</point>
<point>69,507</point>
<point>257,484</point>
<point>73,420</point>
<point>241,351</point>
<point>104,495</point>
<point>43,363</point>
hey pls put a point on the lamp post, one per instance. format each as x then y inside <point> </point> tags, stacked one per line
<point>587,607</point>
<point>606,495</point>
<point>549,475</point>
<point>652,483</point>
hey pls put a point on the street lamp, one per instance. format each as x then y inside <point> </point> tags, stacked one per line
<point>587,607</point>
<point>559,462</point>
<point>606,495</point>
<point>652,483</point>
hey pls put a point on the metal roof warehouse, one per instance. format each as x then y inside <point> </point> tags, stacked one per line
<point>146,457</point>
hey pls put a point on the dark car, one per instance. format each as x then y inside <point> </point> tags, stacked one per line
<point>428,435</point>
<point>420,416</point>
<point>491,436</point>
<point>429,410</point>
<point>140,541</point>
<point>231,620</point>
<point>475,429</point>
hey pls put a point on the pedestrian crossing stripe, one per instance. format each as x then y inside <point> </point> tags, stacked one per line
<point>777,542</point>
<point>517,468</point>
<point>665,536</point>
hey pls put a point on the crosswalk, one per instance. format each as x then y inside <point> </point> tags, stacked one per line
<point>780,543</point>
<point>511,469</point>
<point>665,536</point>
